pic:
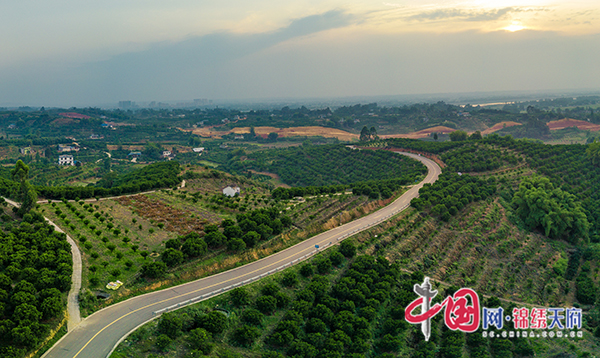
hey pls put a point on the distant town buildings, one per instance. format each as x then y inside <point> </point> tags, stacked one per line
<point>66,159</point>
<point>231,191</point>
<point>95,136</point>
<point>126,104</point>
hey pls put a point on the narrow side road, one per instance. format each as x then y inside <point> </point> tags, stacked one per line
<point>74,316</point>
<point>98,334</point>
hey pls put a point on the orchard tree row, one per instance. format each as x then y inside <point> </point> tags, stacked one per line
<point>35,272</point>
<point>326,165</point>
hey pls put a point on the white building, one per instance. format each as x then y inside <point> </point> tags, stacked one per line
<point>198,150</point>
<point>66,160</point>
<point>231,191</point>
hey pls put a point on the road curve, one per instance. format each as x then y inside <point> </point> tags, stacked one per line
<point>97,335</point>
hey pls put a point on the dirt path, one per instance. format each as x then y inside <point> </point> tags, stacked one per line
<point>74,316</point>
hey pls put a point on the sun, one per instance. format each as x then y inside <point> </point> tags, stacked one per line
<point>514,27</point>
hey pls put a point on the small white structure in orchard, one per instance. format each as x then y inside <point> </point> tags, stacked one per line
<point>231,191</point>
<point>66,159</point>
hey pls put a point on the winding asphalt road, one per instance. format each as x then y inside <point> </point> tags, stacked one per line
<point>97,335</point>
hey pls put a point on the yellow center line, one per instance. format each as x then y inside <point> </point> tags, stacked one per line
<point>191,292</point>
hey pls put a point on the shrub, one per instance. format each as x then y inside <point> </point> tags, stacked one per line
<point>163,342</point>
<point>290,279</point>
<point>307,270</point>
<point>347,248</point>
<point>240,296</point>
<point>245,335</point>
<point>154,269</point>
<point>252,316</point>
<point>266,304</point>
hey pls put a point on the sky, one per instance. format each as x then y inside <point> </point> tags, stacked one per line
<point>83,52</point>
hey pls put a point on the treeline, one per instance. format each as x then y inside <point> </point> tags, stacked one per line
<point>424,146</point>
<point>35,271</point>
<point>477,157</point>
<point>327,165</point>
<point>248,230</point>
<point>374,189</point>
<point>153,176</point>
<point>451,192</point>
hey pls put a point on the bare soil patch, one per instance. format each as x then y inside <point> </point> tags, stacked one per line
<point>569,122</point>
<point>175,220</point>
<point>312,131</point>
<point>498,126</point>
<point>63,120</point>
<point>422,133</point>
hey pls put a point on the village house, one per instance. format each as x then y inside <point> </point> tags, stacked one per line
<point>25,150</point>
<point>68,148</point>
<point>66,159</point>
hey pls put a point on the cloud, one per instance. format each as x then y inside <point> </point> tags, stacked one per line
<point>468,14</point>
<point>303,60</point>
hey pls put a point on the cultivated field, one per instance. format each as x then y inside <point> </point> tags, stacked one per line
<point>498,126</point>
<point>313,131</point>
<point>567,122</point>
<point>422,133</point>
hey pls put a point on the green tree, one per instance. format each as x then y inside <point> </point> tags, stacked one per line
<point>557,212</point>
<point>365,134</point>
<point>163,342</point>
<point>246,335</point>
<point>154,269</point>
<point>252,316</point>
<point>458,136</point>
<point>170,324</point>
<point>240,296</point>
<point>251,238</point>
<point>26,193</point>
<point>347,248</point>
<point>593,152</point>
<point>200,339</point>
<point>172,257</point>
<point>266,304</point>
<point>214,322</point>
<point>194,247</point>
<point>235,244</point>
<point>476,136</point>
<point>272,137</point>
<point>373,133</point>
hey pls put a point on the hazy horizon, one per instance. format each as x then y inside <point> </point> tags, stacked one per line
<point>83,53</point>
